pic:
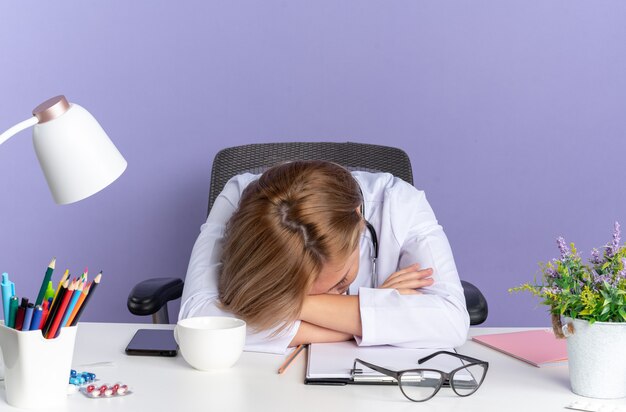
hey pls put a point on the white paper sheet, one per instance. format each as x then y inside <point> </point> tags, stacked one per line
<point>335,360</point>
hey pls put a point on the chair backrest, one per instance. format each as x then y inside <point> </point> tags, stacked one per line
<point>151,296</point>
<point>256,158</point>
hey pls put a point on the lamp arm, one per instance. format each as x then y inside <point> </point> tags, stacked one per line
<point>18,128</point>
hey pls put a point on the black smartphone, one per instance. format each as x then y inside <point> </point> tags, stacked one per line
<point>153,342</point>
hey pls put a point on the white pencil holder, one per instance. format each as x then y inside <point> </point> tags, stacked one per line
<point>36,370</point>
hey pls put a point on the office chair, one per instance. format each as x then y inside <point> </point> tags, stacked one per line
<point>150,297</point>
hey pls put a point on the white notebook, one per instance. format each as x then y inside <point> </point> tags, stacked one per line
<point>332,363</point>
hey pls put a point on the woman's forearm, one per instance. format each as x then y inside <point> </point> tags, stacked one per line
<point>309,333</point>
<point>336,312</point>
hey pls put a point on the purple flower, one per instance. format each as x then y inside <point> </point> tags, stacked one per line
<point>552,290</point>
<point>595,257</point>
<point>611,250</point>
<point>565,252</point>
<point>550,271</point>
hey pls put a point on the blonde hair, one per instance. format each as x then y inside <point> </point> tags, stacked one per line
<point>291,221</point>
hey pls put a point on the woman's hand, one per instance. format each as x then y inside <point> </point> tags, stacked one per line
<point>406,281</point>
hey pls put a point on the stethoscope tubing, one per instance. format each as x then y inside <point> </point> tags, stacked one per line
<point>374,256</point>
<point>374,237</point>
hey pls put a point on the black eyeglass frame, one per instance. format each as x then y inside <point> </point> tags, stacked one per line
<point>446,377</point>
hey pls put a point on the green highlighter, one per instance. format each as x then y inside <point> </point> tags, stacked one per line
<point>12,311</point>
<point>49,292</point>
<point>44,284</point>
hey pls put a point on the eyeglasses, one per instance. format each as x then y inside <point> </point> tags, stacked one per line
<point>419,385</point>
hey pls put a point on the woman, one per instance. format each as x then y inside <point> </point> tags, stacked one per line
<point>290,252</point>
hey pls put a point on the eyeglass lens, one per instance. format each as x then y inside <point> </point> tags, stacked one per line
<point>467,380</point>
<point>420,385</point>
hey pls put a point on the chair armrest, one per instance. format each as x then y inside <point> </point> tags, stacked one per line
<point>475,302</point>
<point>149,296</point>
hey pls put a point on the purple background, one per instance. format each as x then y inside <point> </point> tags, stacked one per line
<point>513,113</point>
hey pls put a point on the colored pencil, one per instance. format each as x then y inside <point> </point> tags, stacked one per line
<point>58,317</point>
<point>70,307</point>
<point>46,278</point>
<point>65,277</point>
<point>54,308</point>
<point>290,358</point>
<point>81,299</point>
<point>92,289</point>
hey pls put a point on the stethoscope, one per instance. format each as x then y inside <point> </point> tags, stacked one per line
<point>370,228</point>
<point>374,256</point>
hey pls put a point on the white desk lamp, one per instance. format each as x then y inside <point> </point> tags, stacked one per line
<point>76,155</point>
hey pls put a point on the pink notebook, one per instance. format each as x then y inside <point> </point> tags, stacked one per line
<point>538,347</point>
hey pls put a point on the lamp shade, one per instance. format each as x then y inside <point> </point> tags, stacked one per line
<point>77,157</point>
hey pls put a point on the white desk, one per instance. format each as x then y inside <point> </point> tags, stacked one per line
<point>168,384</point>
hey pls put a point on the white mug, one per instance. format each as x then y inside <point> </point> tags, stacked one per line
<point>210,342</point>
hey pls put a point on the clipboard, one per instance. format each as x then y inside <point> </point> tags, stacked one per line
<point>332,363</point>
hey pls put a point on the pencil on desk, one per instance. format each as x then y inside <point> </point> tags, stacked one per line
<point>92,289</point>
<point>290,358</point>
<point>46,279</point>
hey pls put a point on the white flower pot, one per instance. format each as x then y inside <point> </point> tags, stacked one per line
<point>597,359</point>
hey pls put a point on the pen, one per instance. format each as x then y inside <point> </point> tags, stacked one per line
<point>21,311</point>
<point>8,290</point>
<point>12,311</point>
<point>290,358</point>
<point>46,279</point>
<point>45,309</point>
<point>34,324</point>
<point>28,316</point>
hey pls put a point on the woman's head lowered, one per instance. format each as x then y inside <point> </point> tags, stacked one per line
<point>295,232</point>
